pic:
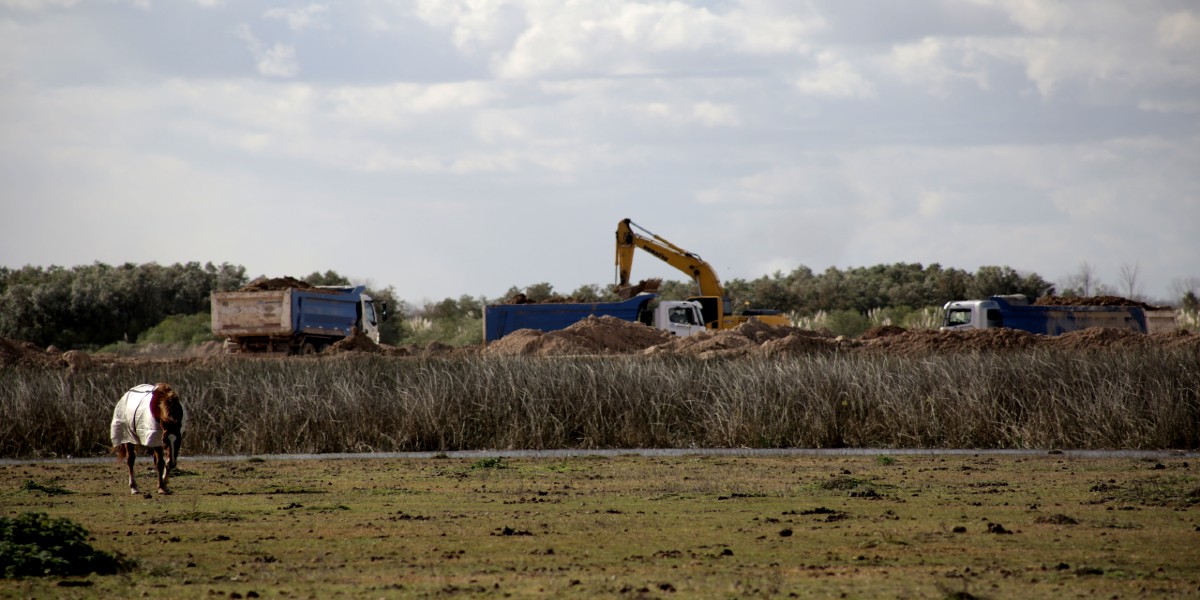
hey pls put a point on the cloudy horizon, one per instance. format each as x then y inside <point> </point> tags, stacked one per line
<point>451,147</point>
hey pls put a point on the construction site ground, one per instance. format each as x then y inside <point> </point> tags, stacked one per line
<point>597,336</point>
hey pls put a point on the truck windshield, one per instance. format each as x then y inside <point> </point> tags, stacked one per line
<point>683,315</point>
<point>958,316</point>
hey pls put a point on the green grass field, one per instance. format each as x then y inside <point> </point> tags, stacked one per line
<point>900,526</point>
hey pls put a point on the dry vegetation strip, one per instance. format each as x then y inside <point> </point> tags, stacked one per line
<point>821,527</point>
<point>1102,399</point>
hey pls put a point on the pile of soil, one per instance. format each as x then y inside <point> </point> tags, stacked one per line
<point>750,337</point>
<point>263,284</point>
<point>882,331</point>
<point>593,335</point>
<point>358,342</point>
<point>17,353</point>
<point>1094,301</point>
<point>926,341</point>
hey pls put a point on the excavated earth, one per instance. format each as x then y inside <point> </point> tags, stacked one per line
<point>597,336</point>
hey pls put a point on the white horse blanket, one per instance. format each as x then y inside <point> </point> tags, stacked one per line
<point>133,419</point>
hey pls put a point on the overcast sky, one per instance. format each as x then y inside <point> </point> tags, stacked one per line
<point>450,147</point>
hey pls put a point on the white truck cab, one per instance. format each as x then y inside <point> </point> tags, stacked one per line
<point>971,314</point>
<point>679,317</point>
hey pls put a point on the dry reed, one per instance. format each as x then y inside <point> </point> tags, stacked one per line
<point>1118,399</point>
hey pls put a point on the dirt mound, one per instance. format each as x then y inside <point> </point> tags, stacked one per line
<point>17,353</point>
<point>749,337</point>
<point>1093,301</point>
<point>1179,338</point>
<point>593,335</point>
<point>1098,337</point>
<point>882,331</point>
<point>922,341</point>
<point>800,343</point>
<point>263,284</point>
<point>359,342</point>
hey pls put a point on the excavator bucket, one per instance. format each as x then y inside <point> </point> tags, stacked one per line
<point>643,286</point>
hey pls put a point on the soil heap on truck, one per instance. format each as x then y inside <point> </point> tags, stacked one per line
<point>678,317</point>
<point>714,303</point>
<point>293,320</point>
<point>1016,312</point>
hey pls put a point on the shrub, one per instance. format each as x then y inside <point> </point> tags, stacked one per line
<point>36,544</point>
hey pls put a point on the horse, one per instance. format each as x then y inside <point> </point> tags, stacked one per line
<point>147,416</point>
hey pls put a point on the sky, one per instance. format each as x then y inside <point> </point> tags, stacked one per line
<point>461,147</point>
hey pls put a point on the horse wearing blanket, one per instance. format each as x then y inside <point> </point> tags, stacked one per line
<point>147,416</point>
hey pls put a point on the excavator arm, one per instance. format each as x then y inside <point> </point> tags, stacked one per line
<point>629,240</point>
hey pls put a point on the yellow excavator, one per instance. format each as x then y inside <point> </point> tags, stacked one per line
<point>714,304</point>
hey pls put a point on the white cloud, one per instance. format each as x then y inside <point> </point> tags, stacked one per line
<point>279,60</point>
<point>299,19</point>
<point>537,38</point>
<point>834,78</point>
<point>1181,29</point>
<point>937,64</point>
<point>36,5</point>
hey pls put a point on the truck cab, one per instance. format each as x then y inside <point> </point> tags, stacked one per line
<point>972,314</point>
<point>680,318</point>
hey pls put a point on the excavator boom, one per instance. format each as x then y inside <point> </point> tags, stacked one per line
<point>717,313</point>
<point>629,240</point>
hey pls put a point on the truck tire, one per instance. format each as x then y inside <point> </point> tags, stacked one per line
<point>307,348</point>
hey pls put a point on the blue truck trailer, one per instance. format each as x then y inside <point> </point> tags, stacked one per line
<point>293,320</point>
<point>1015,312</point>
<point>675,317</point>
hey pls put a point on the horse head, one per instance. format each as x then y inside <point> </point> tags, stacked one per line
<point>170,414</point>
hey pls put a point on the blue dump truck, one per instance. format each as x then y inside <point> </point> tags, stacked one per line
<point>293,320</point>
<point>1015,312</point>
<point>676,317</point>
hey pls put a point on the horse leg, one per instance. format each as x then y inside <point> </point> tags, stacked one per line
<point>160,468</point>
<point>130,456</point>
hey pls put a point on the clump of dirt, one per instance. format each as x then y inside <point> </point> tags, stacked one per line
<point>357,342</point>
<point>263,284</point>
<point>17,353</point>
<point>882,331</point>
<point>1093,301</point>
<point>593,335</point>
<point>76,360</point>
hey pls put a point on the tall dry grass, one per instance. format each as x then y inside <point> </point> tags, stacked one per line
<point>1128,399</point>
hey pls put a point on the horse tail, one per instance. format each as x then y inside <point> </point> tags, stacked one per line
<point>122,452</point>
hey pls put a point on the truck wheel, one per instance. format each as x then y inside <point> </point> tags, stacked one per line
<point>308,348</point>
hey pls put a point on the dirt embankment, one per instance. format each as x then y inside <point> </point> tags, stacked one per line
<point>607,335</point>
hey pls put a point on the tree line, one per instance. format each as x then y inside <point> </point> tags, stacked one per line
<point>96,305</point>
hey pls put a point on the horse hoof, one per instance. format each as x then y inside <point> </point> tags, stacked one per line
<point>134,491</point>
<point>163,491</point>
